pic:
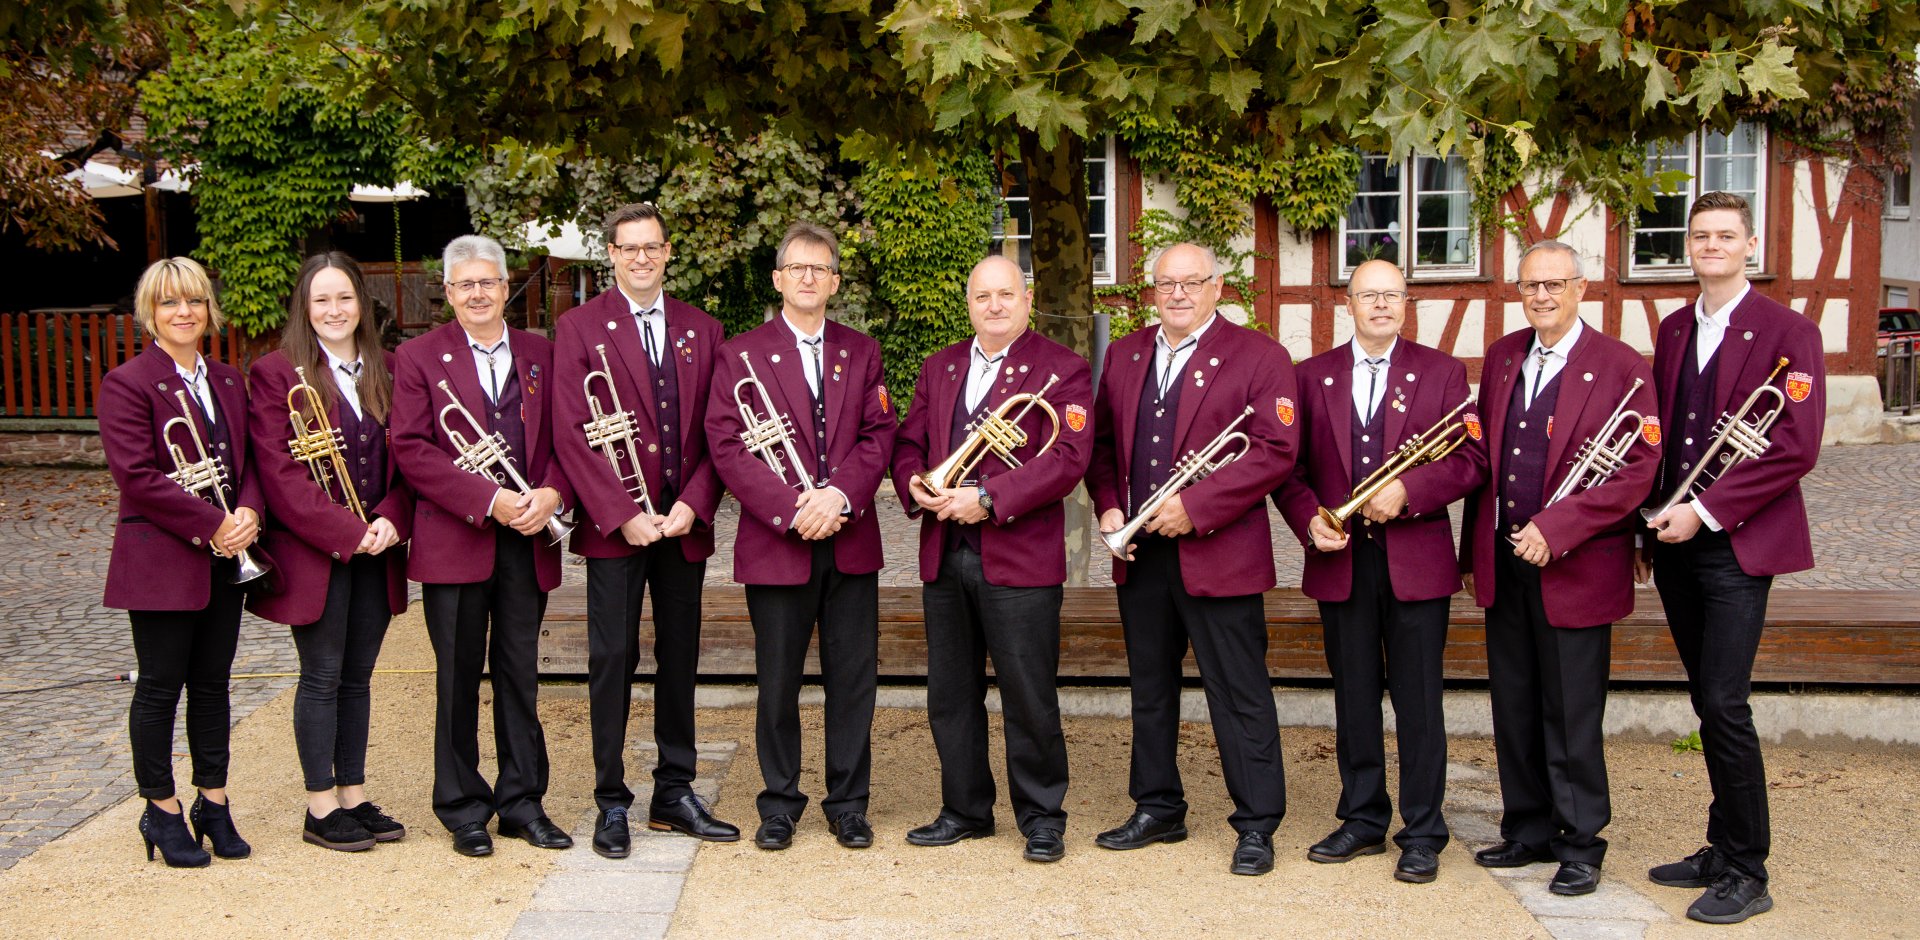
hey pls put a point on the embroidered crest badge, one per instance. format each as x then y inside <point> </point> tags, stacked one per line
<point>1284,408</point>
<point>1799,386</point>
<point>1472,421</point>
<point>1650,430</point>
<point>1076,418</point>
<point>886,403</point>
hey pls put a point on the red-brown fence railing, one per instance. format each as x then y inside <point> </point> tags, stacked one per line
<point>51,363</point>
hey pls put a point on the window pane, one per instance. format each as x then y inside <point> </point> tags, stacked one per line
<point>1446,211</point>
<point>1365,246</point>
<point>1441,175</point>
<point>1658,248</point>
<point>1444,246</point>
<point>1378,175</point>
<point>1667,212</point>
<point>1374,212</point>
<point>1099,244</point>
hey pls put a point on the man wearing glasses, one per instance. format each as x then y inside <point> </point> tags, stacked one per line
<point>808,547</point>
<point>654,355</point>
<point>479,548</point>
<point>1197,570</point>
<point>1384,578</point>
<point>1554,577</point>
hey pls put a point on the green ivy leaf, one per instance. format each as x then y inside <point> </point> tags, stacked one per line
<point>1771,73</point>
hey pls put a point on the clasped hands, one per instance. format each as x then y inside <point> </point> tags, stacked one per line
<point>952,504</point>
<point>525,513</point>
<point>647,528</point>
<point>237,531</point>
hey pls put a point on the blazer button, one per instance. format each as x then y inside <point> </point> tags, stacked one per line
<point>776,522</point>
<point>469,518</point>
<point>196,540</point>
<point>336,556</point>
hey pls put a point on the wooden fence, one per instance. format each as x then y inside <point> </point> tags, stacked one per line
<point>51,363</point>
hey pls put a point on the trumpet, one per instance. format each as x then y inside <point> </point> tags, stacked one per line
<point>318,444</point>
<point>995,434</point>
<point>616,434</point>
<point>1428,446</point>
<point>1602,455</point>
<point>1736,437</point>
<point>1191,469</point>
<point>202,473</point>
<point>770,437</point>
<point>487,451</point>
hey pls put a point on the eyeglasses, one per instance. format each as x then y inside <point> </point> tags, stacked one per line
<point>1555,286</point>
<point>654,250</point>
<point>1191,286</point>
<point>808,272</point>
<point>485,284</point>
<point>1368,298</point>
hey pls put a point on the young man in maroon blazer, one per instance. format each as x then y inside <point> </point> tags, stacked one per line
<point>1197,571</point>
<point>654,358</point>
<point>1716,551</point>
<point>1383,581</point>
<point>808,547</point>
<point>479,548</point>
<point>1555,577</point>
<point>993,556</point>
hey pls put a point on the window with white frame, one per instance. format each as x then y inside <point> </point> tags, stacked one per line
<point>1734,162</point>
<point>1013,222</point>
<point>1415,213</point>
<point>1899,193</point>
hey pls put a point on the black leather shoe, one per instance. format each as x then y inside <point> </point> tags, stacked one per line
<point>1734,897</point>
<point>1575,878</point>
<point>946,830</point>
<point>1141,831</point>
<point>852,830</point>
<point>168,831</point>
<point>1419,864</point>
<point>339,832</point>
<point>776,832</point>
<point>1045,845</point>
<point>1254,854</point>
<point>540,832</point>
<point>471,840</point>
<point>214,821</point>
<point>688,815</point>
<point>384,828</point>
<point>1509,855</point>
<point>1342,845</point>
<point>610,836</point>
<point>1698,870</point>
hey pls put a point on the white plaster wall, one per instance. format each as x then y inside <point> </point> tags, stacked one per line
<point>1295,330</point>
<point>1900,238</point>
<point>1806,227</point>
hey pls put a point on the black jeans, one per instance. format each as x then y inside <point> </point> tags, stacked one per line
<point>1716,613</point>
<point>337,653</point>
<point>191,650</point>
<point>615,587</point>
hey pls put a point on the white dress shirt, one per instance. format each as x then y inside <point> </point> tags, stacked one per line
<point>1537,370</point>
<point>493,363</point>
<point>805,345</point>
<point>980,370</point>
<point>1710,328</point>
<point>1370,381</point>
<point>196,381</point>
<point>346,378</point>
<point>1172,360</point>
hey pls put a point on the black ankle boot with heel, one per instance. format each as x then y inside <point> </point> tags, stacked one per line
<point>168,831</point>
<point>215,821</point>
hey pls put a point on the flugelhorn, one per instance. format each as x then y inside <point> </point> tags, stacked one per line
<point>1735,438</point>
<point>1428,446</point>
<point>318,444</point>
<point>1603,454</point>
<point>204,472</point>
<point>1197,465</point>
<point>994,434</point>
<point>485,452</point>
<point>615,433</point>
<point>772,436</point>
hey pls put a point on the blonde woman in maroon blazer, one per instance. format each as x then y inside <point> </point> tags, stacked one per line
<point>343,577</point>
<point>173,563</point>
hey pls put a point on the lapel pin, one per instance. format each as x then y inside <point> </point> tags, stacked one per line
<point>1328,381</point>
<point>446,357</point>
<point>1197,383</point>
<point>1748,336</point>
<point>843,353</point>
<point>949,367</point>
<point>612,325</point>
<point>1409,376</point>
<point>1587,378</point>
<point>1023,368</point>
<point>1199,374</point>
<point>1214,361</point>
<point>776,358</point>
<point>1136,357</point>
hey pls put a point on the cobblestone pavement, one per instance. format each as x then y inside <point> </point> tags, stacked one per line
<point>63,752</point>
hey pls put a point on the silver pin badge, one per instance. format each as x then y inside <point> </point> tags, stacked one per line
<point>843,353</point>
<point>1199,374</point>
<point>446,357</point>
<point>776,357</point>
<point>1199,382</point>
<point>1214,361</point>
<point>949,367</point>
<point>1749,335</point>
<point>1023,368</point>
<point>1409,376</point>
<point>690,336</point>
<point>1136,357</point>
<point>1328,381</point>
<point>611,325</point>
<point>1588,377</point>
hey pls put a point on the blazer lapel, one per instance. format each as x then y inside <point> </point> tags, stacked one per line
<point>1401,381</point>
<point>624,346</point>
<point>945,391</point>
<point>1338,398</point>
<point>1129,380</point>
<point>1496,394</point>
<point>1735,347</point>
<point>456,361</point>
<point>686,371</point>
<point>779,366</point>
<point>1680,336</point>
<point>532,385</point>
<point>1576,387</point>
<point>834,361</point>
<point>1200,367</point>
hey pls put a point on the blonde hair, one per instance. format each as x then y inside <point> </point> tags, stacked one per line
<point>180,277</point>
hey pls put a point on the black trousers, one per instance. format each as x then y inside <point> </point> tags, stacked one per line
<point>1716,613</point>
<point>1229,637</point>
<point>1368,636</point>
<point>615,587</point>
<point>337,655</point>
<point>847,609</point>
<point>191,650</point>
<point>1549,690</point>
<point>495,625</point>
<point>968,620</point>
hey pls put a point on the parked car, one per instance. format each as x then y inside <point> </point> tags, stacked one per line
<point>1896,323</point>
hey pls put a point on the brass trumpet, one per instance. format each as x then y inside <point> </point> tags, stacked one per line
<point>770,437</point>
<point>318,444</point>
<point>202,473</point>
<point>1602,455</point>
<point>1428,446</point>
<point>615,432</point>
<point>1736,435</point>
<point>487,451</point>
<point>1191,469</point>
<point>995,434</point>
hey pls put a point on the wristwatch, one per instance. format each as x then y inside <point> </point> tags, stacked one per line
<point>986,501</point>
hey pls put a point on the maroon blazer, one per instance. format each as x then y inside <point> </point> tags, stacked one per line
<point>1758,501</point>
<point>860,430</point>
<point>307,533</point>
<point>161,544</point>
<point>1024,542</point>
<point>1425,384</point>
<point>452,533</point>
<point>1589,582</point>
<point>693,342</point>
<point>1230,551</point>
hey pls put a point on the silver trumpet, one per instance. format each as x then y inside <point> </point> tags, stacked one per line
<point>1197,465</point>
<point>771,437</point>
<point>487,451</point>
<point>1603,454</point>
<point>614,432</point>
<point>1738,435</point>
<point>203,473</point>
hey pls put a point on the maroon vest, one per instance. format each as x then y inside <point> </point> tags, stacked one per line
<point>666,398</point>
<point>1152,440</point>
<point>1523,468</point>
<point>1694,395</point>
<point>505,418</point>
<point>1369,449</point>
<point>956,435</point>
<point>365,447</point>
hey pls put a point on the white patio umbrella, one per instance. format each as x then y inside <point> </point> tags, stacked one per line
<point>569,245</point>
<point>106,181</point>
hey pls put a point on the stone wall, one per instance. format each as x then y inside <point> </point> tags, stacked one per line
<point>51,448</point>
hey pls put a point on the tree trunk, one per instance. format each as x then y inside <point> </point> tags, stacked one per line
<point>1063,285</point>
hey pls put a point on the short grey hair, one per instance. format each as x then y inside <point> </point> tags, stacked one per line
<point>807,232</point>
<point>1579,265</point>
<point>473,248</point>
<point>1213,260</point>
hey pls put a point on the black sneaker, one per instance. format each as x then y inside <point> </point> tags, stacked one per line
<point>383,827</point>
<point>1734,897</point>
<point>339,832</point>
<point>1698,870</point>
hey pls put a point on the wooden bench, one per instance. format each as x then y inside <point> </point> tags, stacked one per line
<point>1840,637</point>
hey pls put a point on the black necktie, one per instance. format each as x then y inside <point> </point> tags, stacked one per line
<point>493,373</point>
<point>1539,372</point>
<point>1373,376</point>
<point>646,340</point>
<point>819,379</point>
<point>194,395</point>
<point>352,369</point>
